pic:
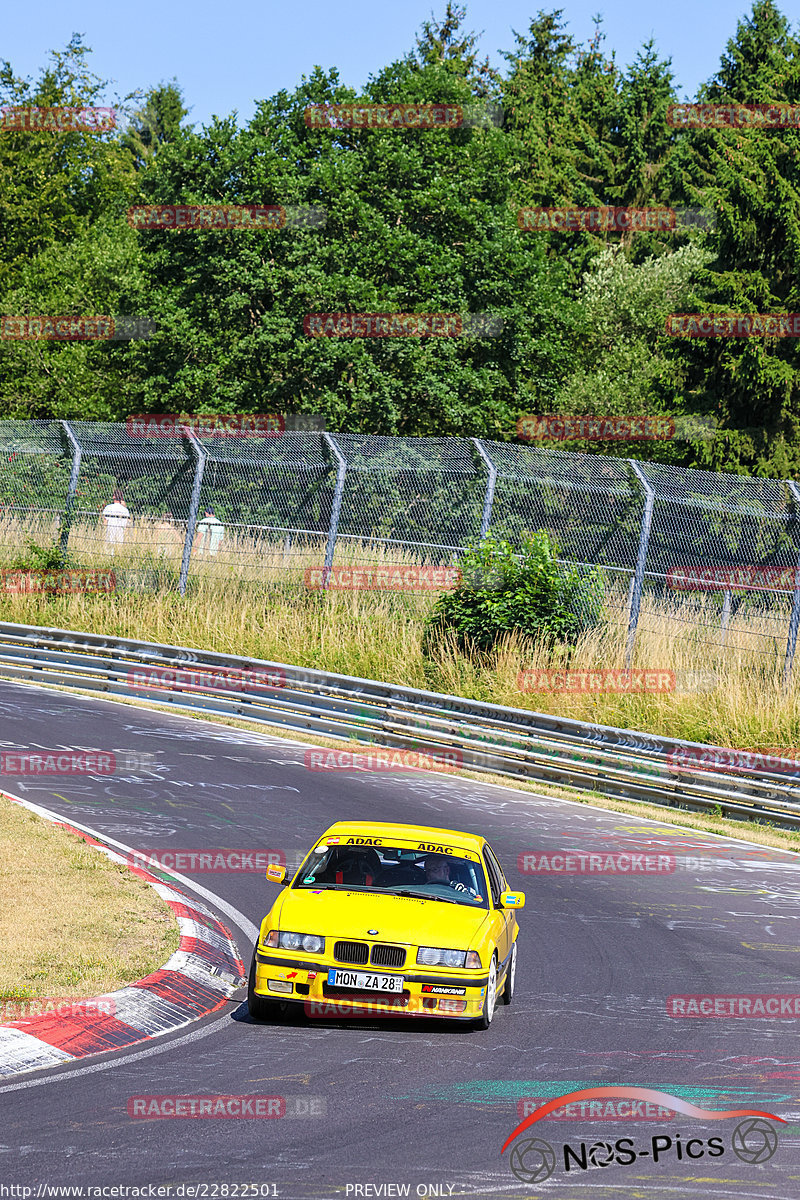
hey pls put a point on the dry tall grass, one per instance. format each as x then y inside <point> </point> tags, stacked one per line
<point>72,923</point>
<point>250,599</point>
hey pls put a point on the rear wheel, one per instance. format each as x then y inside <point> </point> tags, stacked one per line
<point>490,997</point>
<point>511,977</point>
<point>261,1009</point>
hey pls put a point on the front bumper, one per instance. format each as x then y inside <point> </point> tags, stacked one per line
<point>425,993</point>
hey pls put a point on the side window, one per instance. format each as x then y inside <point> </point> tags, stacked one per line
<point>494,881</point>
<point>491,858</point>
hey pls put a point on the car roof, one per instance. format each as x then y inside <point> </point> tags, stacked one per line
<point>408,833</point>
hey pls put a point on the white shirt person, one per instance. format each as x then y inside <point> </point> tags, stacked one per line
<point>209,533</point>
<point>116,516</point>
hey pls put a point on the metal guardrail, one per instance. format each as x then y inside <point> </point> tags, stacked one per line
<point>619,763</point>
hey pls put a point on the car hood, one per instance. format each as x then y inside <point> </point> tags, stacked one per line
<point>396,918</point>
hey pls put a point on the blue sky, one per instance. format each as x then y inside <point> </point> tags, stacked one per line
<point>228,55</point>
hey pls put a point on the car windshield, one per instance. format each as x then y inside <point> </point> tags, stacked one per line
<point>405,872</point>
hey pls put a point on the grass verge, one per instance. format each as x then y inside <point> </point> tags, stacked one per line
<point>72,922</point>
<point>377,635</point>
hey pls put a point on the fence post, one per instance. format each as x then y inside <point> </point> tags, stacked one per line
<point>726,616</point>
<point>641,559</point>
<point>490,485</point>
<point>66,520</point>
<point>333,528</point>
<point>200,457</point>
<point>794,620</point>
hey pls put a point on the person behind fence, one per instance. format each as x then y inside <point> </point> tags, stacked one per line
<point>209,533</point>
<point>116,516</point>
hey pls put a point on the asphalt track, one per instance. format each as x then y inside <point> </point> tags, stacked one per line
<point>418,1104</point>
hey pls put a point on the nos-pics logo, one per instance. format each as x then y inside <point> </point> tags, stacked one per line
<point>533,1159</point>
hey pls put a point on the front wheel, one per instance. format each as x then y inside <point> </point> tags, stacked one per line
<point>259,1008</point>
<point>490,999</point>
<point>511,977</point>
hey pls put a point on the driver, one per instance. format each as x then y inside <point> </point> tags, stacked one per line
<point>437,870</point>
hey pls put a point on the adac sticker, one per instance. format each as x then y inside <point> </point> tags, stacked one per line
<point>363,841</point>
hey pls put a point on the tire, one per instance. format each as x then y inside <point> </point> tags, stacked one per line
<point>259,1008</point>
<point>490,999</point>
<point>511,976</point>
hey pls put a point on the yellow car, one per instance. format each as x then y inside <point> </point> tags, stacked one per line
<point>389,920</point>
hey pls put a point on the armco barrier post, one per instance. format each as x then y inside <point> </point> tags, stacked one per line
<point>794,620</point>
<point>200,457</point>
<point>341,471</point>
<point>490,485</point>
<point>641,559</point>
<point>66,520</point>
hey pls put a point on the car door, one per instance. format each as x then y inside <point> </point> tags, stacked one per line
<point>502,916</point>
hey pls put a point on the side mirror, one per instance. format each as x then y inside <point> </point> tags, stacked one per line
<point>512,899</point>
<point>276,873</point>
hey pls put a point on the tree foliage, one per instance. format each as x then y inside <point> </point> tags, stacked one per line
<point>422,221</point>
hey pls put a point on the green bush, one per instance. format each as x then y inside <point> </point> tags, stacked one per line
<point>525,591</point>
<point>39,558</point>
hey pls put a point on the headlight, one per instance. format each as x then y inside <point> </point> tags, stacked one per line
<point>310,942</point>
<point>431,956</point>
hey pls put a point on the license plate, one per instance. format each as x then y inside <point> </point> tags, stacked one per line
<point>366,981</point>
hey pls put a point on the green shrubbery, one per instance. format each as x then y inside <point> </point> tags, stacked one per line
<point>38,558</point>
<point>522,590</point>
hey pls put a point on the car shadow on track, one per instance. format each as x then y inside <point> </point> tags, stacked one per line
<point>295,1016</point>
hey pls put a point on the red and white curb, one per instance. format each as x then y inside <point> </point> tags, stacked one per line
<point>199,978</point>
